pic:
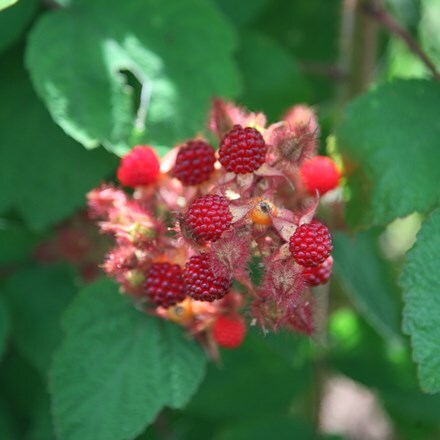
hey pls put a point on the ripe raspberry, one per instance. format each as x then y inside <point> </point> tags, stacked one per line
<point>314,276</point>
<point>139,167</point>
<point>320,174</point>
<point>311,244</point>
<point>242,150</point>
<point>194,163</point>
<point>164,284</point>
<point>201,283</point>
<point>208,217</point>
<point>229,331</point>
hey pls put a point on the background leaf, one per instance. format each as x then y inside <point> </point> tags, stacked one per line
<point>181,51</point>
<point>20,387</point>
<point>244,12</point>
<point>37,296</point>
<point>367,280</point>
<point>115,357</point>
<point>281,428</point>
<point>4,326</point>
<point>13,21</point>
<point>240,386</point>
<point>390,144</point>
<point>273,81</point>
<point>381,365</point>
<point>421,283</point>
<point>43,173</point>
<point>17,242</point>
<point>6,3</point>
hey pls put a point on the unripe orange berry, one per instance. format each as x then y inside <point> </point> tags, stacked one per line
<point>263,212</point>
<point>181,313</point>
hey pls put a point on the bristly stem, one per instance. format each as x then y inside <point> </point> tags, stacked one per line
<point>376,10</point>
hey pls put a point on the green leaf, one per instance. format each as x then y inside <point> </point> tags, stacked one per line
<point>309,30</point>
<point>17,242</point>
<point>367,280</point>
<point>182,363</point>
<point>257,369</point>
<point>36,297</point>
<point>390,145</point>
<point>5,325</point>
<point>8,425</point>
<point>282,427</point>
<point>244,12</point>
<point>181,52</point>
<point>421,283</point>
<point>6,3</point>
<point>114,357</point>
<point>14,21</point>
<point>272,79</point>
<point>428,29</point>
<point>41,427</point>
<point>43,172</point>
<point>20,386</point>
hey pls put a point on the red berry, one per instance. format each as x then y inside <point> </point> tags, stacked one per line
<point>311,244</point>
<point>320,174</point>
<point>242,150</point>
<point>201,283</point>
<point>194,163</point>
<point>164,284</point>
<point>208,217</point>
<point>139,167</point>
<point>316,275</point>
<point>229,331</point>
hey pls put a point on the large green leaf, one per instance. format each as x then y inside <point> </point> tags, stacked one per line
<point>421,282</point>
<point>390,141</point>
<point>13,21</point>
<point>118,367</point>
<point>180,51</point>
<point>43,173</point>
<point>37,296</point>
<point>367,280</point>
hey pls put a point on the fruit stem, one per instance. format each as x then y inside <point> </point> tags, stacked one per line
<point>375,10</point>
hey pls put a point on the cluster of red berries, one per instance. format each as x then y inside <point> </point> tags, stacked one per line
<point>198,216</point>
